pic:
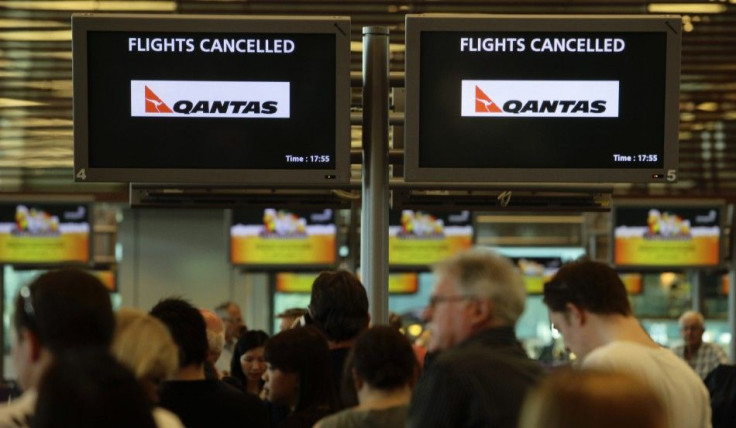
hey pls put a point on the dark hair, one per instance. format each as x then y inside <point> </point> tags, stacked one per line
<point>339,305</point>
<point>66,309</point>
<point>251,339</point>
<point>88,388</point>
<point>187,327</point>
<point>590,285</point>
<point>304,351</point>
<point>383,357</point>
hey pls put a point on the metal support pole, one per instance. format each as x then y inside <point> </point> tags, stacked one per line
<point>374,223</point>
<point>696,291</point>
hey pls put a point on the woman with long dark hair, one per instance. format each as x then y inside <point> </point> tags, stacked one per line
<point>248,364</point>
<point>298,375</point>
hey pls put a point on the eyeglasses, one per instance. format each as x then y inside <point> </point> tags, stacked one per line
<point>435,300</point>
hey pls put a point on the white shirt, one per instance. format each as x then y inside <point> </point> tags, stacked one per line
<point>223,363</point>
<point>682,392</point>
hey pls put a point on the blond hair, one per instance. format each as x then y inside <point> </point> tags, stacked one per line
<point>585,398</point>
<point>145,346</point>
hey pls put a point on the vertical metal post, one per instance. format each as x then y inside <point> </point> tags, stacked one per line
<point>732,283</point>
<point>374,223</point>
<point>696,291</point>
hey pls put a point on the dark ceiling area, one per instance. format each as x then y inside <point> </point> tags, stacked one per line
<point>36,130</point>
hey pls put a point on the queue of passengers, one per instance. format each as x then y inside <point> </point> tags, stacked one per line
<point>82,365</point>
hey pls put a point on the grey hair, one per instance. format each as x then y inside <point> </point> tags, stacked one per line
<point>693,314</point>
<point>487,274</point>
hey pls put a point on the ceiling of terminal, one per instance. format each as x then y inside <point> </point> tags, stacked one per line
<point>36,88</point>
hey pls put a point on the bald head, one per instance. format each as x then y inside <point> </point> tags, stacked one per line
<point>215,335</point>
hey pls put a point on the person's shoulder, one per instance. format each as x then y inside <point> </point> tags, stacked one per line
<point>18,413</point>
<point>166,419</point>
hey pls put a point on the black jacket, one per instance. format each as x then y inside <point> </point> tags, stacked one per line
<point>481,382</point>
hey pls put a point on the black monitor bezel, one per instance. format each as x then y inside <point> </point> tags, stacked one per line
<point>417,24</point>
<point>339,26</point>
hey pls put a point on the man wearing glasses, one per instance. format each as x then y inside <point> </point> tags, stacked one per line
<point>588,304</point>
<point>482,373</point>
<point>59,311</point>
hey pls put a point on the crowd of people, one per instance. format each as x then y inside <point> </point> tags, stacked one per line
<point>81,364</point>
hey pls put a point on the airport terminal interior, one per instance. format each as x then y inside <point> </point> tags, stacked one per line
<point>151,239</point>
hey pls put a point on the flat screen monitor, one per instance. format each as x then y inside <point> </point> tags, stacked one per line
<point>44,233</point>
<point>280,238</point>
<point>667,234</point>
<point>580,99</point>
<point>241,100</point>
<point>417,239</point>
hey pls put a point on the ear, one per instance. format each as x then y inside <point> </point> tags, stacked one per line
<point>481,311</point>
<point>575,314</point>
<point>357,380</point>
<point>33,345</point>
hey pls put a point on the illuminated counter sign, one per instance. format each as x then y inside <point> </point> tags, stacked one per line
<point>398,283</point>
<point>281,237</point>
<point>211,99</point>
<point>586,99</point>
<point>418,238</point>
<point>662,235</point>
<point>40,234</point>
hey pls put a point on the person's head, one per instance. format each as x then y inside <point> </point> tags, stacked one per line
<point>289,317</point>
<point>88,388</point>
<point>60,310</point>
<point>248,363</point>
<point>186,325</point>
<point>298,370</point>
<point>215,335</point>
<point>586,398</point>
<point>339,305</point>
<point>382,358</point>
<point>475,290</point>
<point>692,327</point>
<point>144,345</point>
<point>580,289</point>
<point>231,316</point>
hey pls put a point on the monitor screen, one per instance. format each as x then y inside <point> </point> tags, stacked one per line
<point>279,237</point>
<point>419,238</point>
<point>211,99</point>
<point>542,98</point>
<point>667,234</point>
<point>44,233</point>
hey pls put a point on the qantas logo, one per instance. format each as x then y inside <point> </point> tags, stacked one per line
<point>154,103</point>
<point>209,99</point>
<point>539,98</point>
<point>483,104</point>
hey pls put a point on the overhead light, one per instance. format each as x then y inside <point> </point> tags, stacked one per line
<point>95,5</point>
<point>28,23</point>
<point>708,106</point>
<point>686,7</point>
<point>37,36</point>
<point>12,102</point>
